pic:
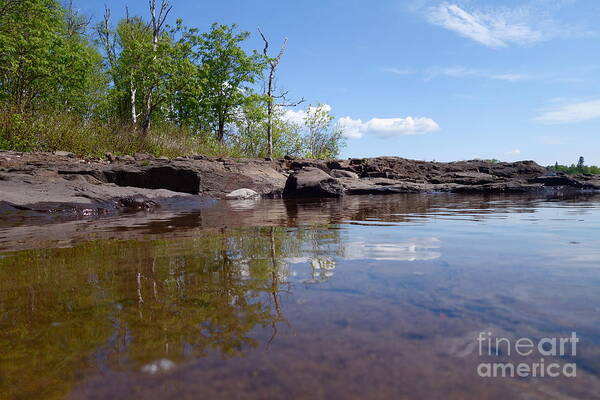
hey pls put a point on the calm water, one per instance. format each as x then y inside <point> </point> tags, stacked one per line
<point>364,297</point>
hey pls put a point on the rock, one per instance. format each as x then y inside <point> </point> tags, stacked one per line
<point>64,154</point>
<point>142,156</point>
<point>49,181</point>
<point>242,194</point>
<point>171,177</point>
<point>340,173</point>
<point>312,182</point>
<point>557,180</point>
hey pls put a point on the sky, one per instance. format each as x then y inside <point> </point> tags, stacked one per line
<point>430,79</point>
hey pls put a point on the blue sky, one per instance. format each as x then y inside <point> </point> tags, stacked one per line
<point>429,79</point>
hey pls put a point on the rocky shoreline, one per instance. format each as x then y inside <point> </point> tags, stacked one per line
<point>62,182</point>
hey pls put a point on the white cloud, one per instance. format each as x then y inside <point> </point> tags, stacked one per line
<point>495,28</point>
<point>461,72</point>
<point>398,71</point>
<point>387,127</point>
<point>514,152</point>
<point>571,113</point>
<point>299,116</point>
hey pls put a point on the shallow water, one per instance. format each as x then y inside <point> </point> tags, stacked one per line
<point>363,297</point>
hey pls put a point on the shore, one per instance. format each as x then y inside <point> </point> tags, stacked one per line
<point>62,183</point>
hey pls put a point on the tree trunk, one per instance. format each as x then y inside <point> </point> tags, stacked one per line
<point>133,91</point>
<point>270,111</point>
<point>221,130</point>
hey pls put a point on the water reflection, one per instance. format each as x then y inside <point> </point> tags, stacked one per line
<point>417,249</point>
<point>222,303</point>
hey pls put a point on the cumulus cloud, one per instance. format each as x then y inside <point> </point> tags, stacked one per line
<point>494,28</point>
<point>384,127</point>
<point>387,127</point>
<point>299,116</point>
<point>571,113</point>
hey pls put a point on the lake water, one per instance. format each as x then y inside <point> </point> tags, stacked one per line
<point>362,297</point>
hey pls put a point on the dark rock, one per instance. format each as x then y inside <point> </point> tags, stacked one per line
<point>136,203</point>
<point>557,180</point>
<point>170,177</point>
<point>312,182</point>
<point>340,173</point>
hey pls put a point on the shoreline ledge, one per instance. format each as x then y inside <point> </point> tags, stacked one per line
<point>62,182</point>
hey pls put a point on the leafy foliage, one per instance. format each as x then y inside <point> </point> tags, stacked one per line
<point>169,90</point>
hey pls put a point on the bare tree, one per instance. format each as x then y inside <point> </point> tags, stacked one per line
<point>76,23</point>
<point>107,40</point>
<point>273,63</point>
<point>156,24</point>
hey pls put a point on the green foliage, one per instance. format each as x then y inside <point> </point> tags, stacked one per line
<point>249,134</point>
<point>225,72</point>
<point>43,64</point>
<point>166,90</point>
<point>323,139</point>
<point>574,169</point>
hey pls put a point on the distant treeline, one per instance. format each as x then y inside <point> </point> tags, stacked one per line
<point>140,84</point>
<point>574,169</point>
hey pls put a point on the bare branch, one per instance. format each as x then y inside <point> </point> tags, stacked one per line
<point>105,37</point>
<point>297,103</point>
<point>266,49</point>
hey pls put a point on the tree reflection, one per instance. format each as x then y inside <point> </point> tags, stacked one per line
<point>127,304</point>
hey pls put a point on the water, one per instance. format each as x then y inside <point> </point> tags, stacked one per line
<point>364,297</point>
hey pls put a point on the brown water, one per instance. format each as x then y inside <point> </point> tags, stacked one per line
<point>363,297</point>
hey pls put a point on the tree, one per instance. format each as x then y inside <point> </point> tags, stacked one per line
<point>323,139</point>
<point>46,61</point>
<point>226,73</point>
<point>580,164</point>
<point>250,136</point>
<point>141,58</point>
<point>270,87</point>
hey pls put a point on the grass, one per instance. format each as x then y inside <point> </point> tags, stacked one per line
<point>94,138</point>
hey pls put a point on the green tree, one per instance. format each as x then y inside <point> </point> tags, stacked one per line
<point>252,136</point>
<point>46,60</point>
<point>143,59</point>
<point>324,140</point>
<point>226,73</point>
